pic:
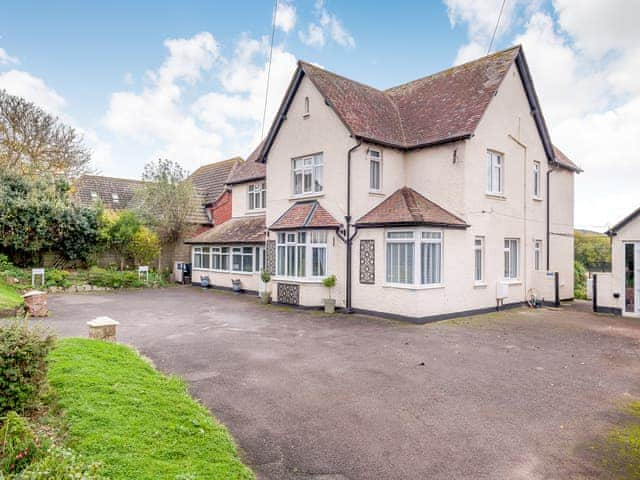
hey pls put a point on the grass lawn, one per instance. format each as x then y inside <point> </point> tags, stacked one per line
<point>139,423</point>
<point>9,297</point>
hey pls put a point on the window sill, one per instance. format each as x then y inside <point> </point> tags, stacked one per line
<point>305,196</point>
<point>255,211</point>
<point>404,286</point>
<point>480,285</point>
<point>495,196</point>
<point>313,281</point>
<point>209,270</point>
<point>537,199</point>
<point>512,281</point>
<point>306,115</point>
<point>376,193</point>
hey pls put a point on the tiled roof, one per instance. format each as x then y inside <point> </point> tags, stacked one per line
<point>306,214</point>
<point>565,161</point>
<point>440,107</point>
<point>236,230</point>
<point>407,207</point>
<point>198,214</point>
<point>105,188</point>
<point>252,169</point>
<point>210,179</point>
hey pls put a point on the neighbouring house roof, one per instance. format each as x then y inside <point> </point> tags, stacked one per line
<point>236,230</point>
<point>629,218</point>
<point>104,189</point>
<point>198,214</point>
<point>306,214</point>
<point>407,207</point>
<point>210,179</point>
<point>564,161</point>
<point>251,169</point>
<point>443,107</point>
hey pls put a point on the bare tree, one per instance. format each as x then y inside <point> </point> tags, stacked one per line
<point>33,142</point>
<point>166,200</point>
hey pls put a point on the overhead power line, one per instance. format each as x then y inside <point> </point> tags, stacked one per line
<point>493,37</point>
<point>266,94</point>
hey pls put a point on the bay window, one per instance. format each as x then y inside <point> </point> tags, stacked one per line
<point>403,268</point>
<point>257,196</point>
<point>494,173</point>
<point>511,258</point>
<point>307,174</point>
<point>302,254</point>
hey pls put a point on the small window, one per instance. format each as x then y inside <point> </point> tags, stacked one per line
<point>307,175</point>
<point>478,252</point>
<point>306,106</point>
<point>115,197</point>
<point>257,196</point>
<point>94,196</point>
<point>511,258</point>
<point>494,173</point>
<point>536,179</point>
<point>431,258</point>
<point>375,170</point>
<point>537,255</point>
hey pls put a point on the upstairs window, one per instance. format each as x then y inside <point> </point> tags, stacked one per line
<point>307,174</point>
<point>257,196</point>
<point>375,170</point>
<point>306,106</point>
<point>511,258</point>
<point>494,173</point>
<point>115,197</point>
<point>536,179</point>
<point>94,196</point>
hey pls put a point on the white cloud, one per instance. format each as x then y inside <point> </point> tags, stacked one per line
<point>314,36</point>
<point>286,16</point>
<point>328,26</point>
<point>34,89</point>
<point>172,117</point>
<point>128,78</point>
<point>6,59</point>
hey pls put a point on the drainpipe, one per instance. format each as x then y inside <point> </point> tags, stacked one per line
<point>548,213</point>
<point>347,219</point>
<point>525,167</point>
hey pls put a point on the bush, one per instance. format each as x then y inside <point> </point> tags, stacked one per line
<point>23,365</point>
<point>57,278</point>
<point>61,464</point>
<point>579,280</point>
<point>18,444</point>
<point>101,277</point>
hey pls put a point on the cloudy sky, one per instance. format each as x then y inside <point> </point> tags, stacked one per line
<point>186,79</point>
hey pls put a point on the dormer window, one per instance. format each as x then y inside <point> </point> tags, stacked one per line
<point>115,197</point>
<point>257,196</point>
<point>94,196</point>
<point>306,107</point>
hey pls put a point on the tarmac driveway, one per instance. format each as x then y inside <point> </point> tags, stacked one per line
<point>514,395</point>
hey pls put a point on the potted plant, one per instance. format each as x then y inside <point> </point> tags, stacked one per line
<point>265,294</point>
<point>329,303</point>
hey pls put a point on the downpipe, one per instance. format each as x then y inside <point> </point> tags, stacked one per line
<point>348,236</point>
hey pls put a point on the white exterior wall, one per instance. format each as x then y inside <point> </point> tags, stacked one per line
<point>240,200</point>
<point>248,281</point>
<point>460,187</point>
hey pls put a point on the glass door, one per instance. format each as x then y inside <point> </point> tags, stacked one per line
<point>632,278</point>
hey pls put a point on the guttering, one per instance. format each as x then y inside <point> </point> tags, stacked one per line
<point>362,226</point>
<point>348,236</point>
<point>407,148</point>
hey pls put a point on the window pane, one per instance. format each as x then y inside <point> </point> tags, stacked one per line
<point>400,257</point>
<point>319,255</point>
<point>247,263</point>
<point>396,235</point>
<point>297,183</point>
<point>302,237</point>
<point>282,256</point>
<point>319,236</point>
<point>374,175</point>
<point>302,261</point>
<point>478,273</point>
<point>317,178</point>
<point>291,261</point>
<point>236,262</point>
<point>307,181</point>
<point>431,263</point>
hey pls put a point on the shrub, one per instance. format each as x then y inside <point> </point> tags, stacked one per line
<point>18,444</point>
<point>61,464</point>
<point>57,278</point>
<point>145,246</point>
<point>265,276</point>
<point>101,277</point>
<point>579,280</point>
<point>23,365</point>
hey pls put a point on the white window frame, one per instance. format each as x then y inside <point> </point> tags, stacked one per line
<point>306,107</point>
<point>298,243</point>
<point>537,255</point>
<point>511,245</point>
<point>257,196</point>
<point>375,157</point>
<point>495,163</point>
<point>537,191</point>
<point>94,196</point>
<point>312,166</point>
<point>222,252</point>
<point>115,198</point>
<point>244,252</point>
<point>478,254</point>
<point>201,253</point>
<point>417,238</point>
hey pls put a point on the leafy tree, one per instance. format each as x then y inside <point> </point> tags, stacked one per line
<point>592,250</point>
<point>37,215</point>
<point>33,142</point>
<point>579,280</point>
<point>121,234</point>
<point>145,246</point>
<point>167,199</point>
